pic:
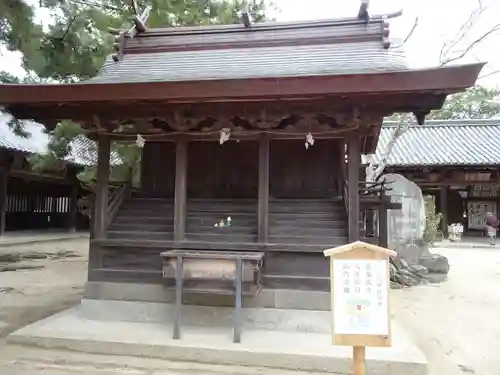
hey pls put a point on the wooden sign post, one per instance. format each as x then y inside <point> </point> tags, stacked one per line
<point>359,286</point>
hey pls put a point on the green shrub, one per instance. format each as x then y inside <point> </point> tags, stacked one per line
<point>432,220</point>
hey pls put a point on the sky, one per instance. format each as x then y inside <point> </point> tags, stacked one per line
<point>438,21</point>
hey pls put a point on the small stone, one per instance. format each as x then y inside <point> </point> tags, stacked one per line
<point>395,285</point>
<point>10,257</point>
<point>409,280</point>
<point>34,256</point>
<point>435,263</point>
<point>419,269</point>
<point>435,278</point>
<point>392,270</point>
<point>15,267</point>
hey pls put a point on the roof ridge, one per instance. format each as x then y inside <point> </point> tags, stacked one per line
<point>262,26</point>
<point>448,123</point>
<point>265,34</point>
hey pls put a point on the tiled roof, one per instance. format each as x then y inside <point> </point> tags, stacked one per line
<point>240,63</point>
<point>447,142</point>
<point>265,50</point>
<point>83,150</point>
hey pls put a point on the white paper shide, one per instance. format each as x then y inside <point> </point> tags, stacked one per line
<point>360,299</point>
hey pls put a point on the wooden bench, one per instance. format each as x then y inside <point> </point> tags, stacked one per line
<point>240,268</point>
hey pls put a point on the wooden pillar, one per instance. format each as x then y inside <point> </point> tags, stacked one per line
<point>181,158</point>
<point>4,178</point>
<point>343,173</point>
<point>354,163</point>
<point>101,190</point>
<point>263,208</point>
<point>383,232</point>
<point>358,360</point>
<point>443,207</point>
<point>73,200</point>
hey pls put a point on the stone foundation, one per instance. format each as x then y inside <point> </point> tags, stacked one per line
<point>267,298</point>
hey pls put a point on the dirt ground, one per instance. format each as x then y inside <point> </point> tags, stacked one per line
<point>454,323</point>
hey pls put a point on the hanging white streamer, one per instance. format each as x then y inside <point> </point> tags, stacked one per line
<point>309,141</point>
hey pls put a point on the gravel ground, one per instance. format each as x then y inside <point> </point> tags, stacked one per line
<point>454,323</point>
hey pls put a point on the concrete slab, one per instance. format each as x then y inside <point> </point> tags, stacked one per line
<point>25,360</point>
<point>279,349</point>
<point>207,316</point>
<point>466,243</point>
<point>31,237</point>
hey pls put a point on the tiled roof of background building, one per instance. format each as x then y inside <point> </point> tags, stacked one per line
<point>83,150</point>
<point>444,142</point>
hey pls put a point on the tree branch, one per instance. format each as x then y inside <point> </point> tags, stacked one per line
<point>488,74</point>
<point>68,28</point>
<point>374,171</point>
<point>471,45</point>
<point>462,32</point>
<point>93,4</point>
<point>415,24</point>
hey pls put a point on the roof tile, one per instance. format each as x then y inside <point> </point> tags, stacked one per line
<point>83,150</point>
<point>448,142</point>
<point>265,50</point>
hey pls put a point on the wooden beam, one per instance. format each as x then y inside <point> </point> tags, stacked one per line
<point>343,165</point>
<point>101,190</point>
<point>180,201</point>
<point>141,19</point>
<point>439,81</point>
<point>263,206</point>
<point>354,163</point>
<point>245,15</point>
<point>363,11</point>
<point>383,227</point>
<point>4,179</point>
<point>73,200</point>
<point>376,106</point>
<point>443,208</point>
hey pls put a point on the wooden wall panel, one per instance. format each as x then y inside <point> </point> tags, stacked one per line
<point>158,169</point>
<point>229,170</point>
<point>296,264</point>
<point>299,173</point>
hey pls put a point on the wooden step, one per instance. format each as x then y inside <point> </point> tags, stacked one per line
<point>222,210</point>
<point>222,200</point>
<point>150,200</point>
<point>139,235</point>
<point>308,231</point>
<point>140,227</point>
<point>305,210</point>
<point>145,211</point>
<point>303,216</point>
<point>250,230</point>
<point>319,224</point>
<point>146,220</point>
<point>309,240</point>
<point>211,221</point>
<point>221,237</point>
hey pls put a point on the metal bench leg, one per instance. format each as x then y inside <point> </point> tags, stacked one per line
<point>237,312</point>
<point>178,298</point>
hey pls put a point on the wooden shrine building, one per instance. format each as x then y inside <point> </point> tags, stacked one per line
<point>246,129</point>
<point>457,162</point>
<point>35,200</point>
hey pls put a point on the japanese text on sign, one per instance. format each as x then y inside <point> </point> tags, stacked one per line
<point>360,303</point>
